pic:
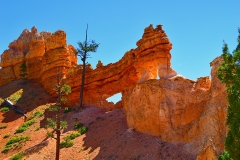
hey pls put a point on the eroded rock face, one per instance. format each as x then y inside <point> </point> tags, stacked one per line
<point>42,52</point>
<point>208,152</point>
<point>178,109</point>
<point>137,66</point>
<point>174,108</point>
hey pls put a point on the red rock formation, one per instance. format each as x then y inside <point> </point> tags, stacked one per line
<point>178,109</point>
<point>43,53</point>
<point>137,66</point>
<point>174,108</point>
<point>208,152</point>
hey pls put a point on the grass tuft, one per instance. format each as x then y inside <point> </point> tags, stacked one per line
<point>2,127</point>
<point>68,109</point>
<point>36,114</point>
<point>17,156</point>
<point>15,97</point>
<point>78,126</point>
<point>24,127</point>
<point>66,144</point>
<point>14,142</point>
<point>83,130</point>
<point>4,109</point>
<point>6,135</point>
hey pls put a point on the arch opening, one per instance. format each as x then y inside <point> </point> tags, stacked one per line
<point>115,98</point>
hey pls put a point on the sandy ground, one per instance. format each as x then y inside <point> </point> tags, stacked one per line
<point>108,136</point>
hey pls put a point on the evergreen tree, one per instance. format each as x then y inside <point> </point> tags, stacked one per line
<point>23,70</point>
<point>61,89</point>
<point>229,74</point>
<point>84,52</point>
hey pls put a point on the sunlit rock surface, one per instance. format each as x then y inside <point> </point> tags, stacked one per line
<point>173,107</point>
<point>179,109</point>
<point>42,52</point>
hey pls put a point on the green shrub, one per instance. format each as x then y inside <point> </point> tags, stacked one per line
<point>17,139</point>
<point>50,134</point>
<point>37,128</point>
<point>6,135</point>
<point>71,136</point>
<point>224,156</point>
<point>83,130</point>
<point>30,117</point>
<point>68,109</point>
<point>15,97</point>
<point>2,127</point>
<point>36,114</point>
<point>66,144</point>
<point>4,109</point>
<point>74,135</point>
<point>78,126</point>
<point>6,148</point>
<point>67,140</point>
<point>17,156</point>
<point>24,127</point>
<point>14,142</point>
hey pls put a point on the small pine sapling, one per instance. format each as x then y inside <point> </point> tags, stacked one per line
<point>57,125</point>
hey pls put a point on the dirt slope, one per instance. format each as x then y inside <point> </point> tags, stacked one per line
<point>107,137</point>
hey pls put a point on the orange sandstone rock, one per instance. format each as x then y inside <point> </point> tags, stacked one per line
<point>6,75</point>
<point>208,152</point>
<point>43,53</point>
<point>137,66</point>
<point>174,108</point>
<point>178,109</point>
<point>203,82</point>
<point>55,40</point>
<point>100,64</point>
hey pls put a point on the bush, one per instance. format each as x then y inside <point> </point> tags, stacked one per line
<point>67,140</point>
<point>17,156</point>
<point>2,127</point>
<point>71,136</point>
<point>6,148</point>
<point>78,126</point>
<point>74,135</point>
<point>68,109</point>
<point>24,127</point>
<point>83,130</point>
<point>4,109</point>
<point>6,135</point>
<point>36,114</point>
<point>15,97</point>
<point>17,139</point>
<point>225,156</point>
<point>14,142</point>
<point>50,134</point>
<point>66,144</point>
<point>37,128</point>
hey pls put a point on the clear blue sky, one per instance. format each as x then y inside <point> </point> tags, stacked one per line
<point>195,28</point>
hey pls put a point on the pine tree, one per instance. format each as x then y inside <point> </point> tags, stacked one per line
<point>23,70</point>
<point>84,52</point>
<point>229,74</point>
<point>61,89</point>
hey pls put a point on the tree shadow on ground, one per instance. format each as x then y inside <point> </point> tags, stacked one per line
<point>36,148</point>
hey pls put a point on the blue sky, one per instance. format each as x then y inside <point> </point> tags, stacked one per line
<point>195,28</point>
